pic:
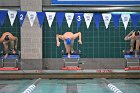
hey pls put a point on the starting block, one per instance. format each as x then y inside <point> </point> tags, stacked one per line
<point>11,58</point>
<point>71,65</point>
<point>131,59</point>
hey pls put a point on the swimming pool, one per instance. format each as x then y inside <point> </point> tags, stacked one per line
<point>97,85</point>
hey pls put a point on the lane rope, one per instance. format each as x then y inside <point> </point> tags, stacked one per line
<point>114,88</point>
<point>111,86</point>
<point>32,86</point>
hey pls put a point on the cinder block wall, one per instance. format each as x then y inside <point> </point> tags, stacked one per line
<point>31,37</point>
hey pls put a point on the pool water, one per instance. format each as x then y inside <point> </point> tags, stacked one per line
<point>71,86</point>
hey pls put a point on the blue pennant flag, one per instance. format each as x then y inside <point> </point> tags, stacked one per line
<point>135,19</point>
<point>41,16</point>
<point>60,18</point>
<point>3,15</point>
<point>78,18</point>
<point>116,18</point>
<point>97,18</point>
<point>21,16</point>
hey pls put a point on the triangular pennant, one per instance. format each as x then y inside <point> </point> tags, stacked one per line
<point>116,18</point>
<point>69,18</point>
<point>106,18</point>
<point>3,15</point>
<point>31,16</point>
<point>60,18</point>
<point>135,19</point>
<point>41,16</point>
<point>97,18</point>
<point>78,18</point>
<point>125,19</point>
<point>50,17</point>
<point>12,16</point>
<point>88,18</point>
<point>21,16</point>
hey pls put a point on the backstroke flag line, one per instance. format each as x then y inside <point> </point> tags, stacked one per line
<point>60,17</point>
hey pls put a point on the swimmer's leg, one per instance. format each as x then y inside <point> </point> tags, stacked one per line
<point>68,50</point>
<point>137,48</point>
<point>132,44</point>
<point>72,50</point>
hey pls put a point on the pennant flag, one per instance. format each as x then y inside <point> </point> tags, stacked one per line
<point>125,19</point>
<point>12,16</point>
<point>41,16</point>
<point>116,18</point>
<point>135,19</point>
<point>106,18</point>
<point>21,16</point>
<point>88,18</point>
<point>31,16</point>
<point>69,18</point>
<point>60,18</point>
<point>78,18</point>
<point>97,18</point>
<point>50,17</point>
<point>3,15</point>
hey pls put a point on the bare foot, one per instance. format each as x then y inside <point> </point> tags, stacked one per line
<point>5,56</point>
<point>13,51</point>
<point>68,55</point>
<point>136,56</point>
<point>72,51</point>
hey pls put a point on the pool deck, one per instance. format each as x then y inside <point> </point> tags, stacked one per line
<point>68,74</point>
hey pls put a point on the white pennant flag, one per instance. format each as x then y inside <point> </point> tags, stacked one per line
<point>125,19</point>
<point>50,17</point>
<point>69,17</point>
<point>106,18</point>
<point>12,16</point>
<point>88,18</point>
<point>31,16</point>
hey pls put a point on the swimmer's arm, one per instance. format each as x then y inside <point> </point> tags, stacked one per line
<point>80,36</point>
<point>2,38</point>
<point>57,39</point>
<point>128,37</point>
<point>16,39</point>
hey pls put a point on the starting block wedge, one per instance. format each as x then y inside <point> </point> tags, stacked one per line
<point>8,68</point>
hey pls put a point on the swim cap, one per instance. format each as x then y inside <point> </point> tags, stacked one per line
<point>68,41</point>
<point>6,38</point>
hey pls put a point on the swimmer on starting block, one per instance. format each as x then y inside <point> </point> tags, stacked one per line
<point>134,36</point>
<point>7,38</point>
<point>68,38</point>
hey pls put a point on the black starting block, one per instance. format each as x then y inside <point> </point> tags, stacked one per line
<point>131,59</point>
<point>71,65</point>
<point>11,57</point>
